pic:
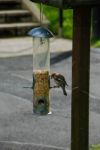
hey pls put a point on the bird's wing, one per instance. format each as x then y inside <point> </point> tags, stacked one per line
<point>62,79</point>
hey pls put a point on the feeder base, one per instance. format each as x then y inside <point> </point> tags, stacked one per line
<point>35,112</point>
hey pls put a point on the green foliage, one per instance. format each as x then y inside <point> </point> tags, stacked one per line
<point>68,23</point>
<point>95,147</point>
<point>95,43</point>
<point>52,15</point>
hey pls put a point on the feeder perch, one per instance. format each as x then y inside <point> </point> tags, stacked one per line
<point>41,70</point>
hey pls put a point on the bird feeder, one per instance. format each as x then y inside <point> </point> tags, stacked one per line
<point>41,69</point>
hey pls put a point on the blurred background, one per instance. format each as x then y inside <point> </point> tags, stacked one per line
<point>17,17</point>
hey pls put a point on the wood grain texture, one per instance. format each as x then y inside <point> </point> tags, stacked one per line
<point>80,78</point>
<point>68,3</point>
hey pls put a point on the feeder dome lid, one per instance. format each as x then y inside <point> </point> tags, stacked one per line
<point>40,32</point>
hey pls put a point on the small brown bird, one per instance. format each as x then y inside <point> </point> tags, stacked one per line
<point>60,81</point>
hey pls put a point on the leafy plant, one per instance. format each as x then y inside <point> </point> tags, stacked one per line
<point>95,147</point>
<point>95,43</point>
<point>52,15</point>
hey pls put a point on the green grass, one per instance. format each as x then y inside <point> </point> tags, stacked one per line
<point>52,15</point>
<point>95,43</point>
<point>95,147</point>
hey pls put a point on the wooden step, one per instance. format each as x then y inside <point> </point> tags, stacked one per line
<point>10,4</point>
<point>14,19</point>
<point>14,12</point>
<point>10,1</point>
<point>18,25</point>
<point>16,29</point>
<point>8,16</point>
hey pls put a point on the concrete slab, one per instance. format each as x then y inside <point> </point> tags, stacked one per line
<point>24,46</point>
<point>20,128</point>
<point>27,146</point>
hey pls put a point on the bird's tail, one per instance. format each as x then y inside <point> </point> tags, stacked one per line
<point>66,84</point>
<point>64,91</point>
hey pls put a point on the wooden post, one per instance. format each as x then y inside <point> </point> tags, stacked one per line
<point>80,78</point>
<point>60,19</point>
<point>96,23</point>
<point>68,3</point>
<point>60,22</point>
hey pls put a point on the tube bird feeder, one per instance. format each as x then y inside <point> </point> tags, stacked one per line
<point>41,70</point>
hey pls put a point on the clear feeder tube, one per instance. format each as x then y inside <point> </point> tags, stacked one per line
<point>41,71</point>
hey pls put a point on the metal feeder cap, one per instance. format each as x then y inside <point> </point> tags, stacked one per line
<point>40,32</point>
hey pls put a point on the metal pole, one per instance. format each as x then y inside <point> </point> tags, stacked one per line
<point>80,78</point>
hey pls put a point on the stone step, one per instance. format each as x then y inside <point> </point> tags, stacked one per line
<point>8,16</point>
<point>10,4</point>
<point>16,29</point>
